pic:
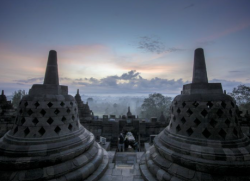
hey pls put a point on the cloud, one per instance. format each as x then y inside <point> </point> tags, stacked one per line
<point>130,82</point>
<point>152,44</point>
<point>130,75</point>
<point>30,81</point>
<point>228,85</point>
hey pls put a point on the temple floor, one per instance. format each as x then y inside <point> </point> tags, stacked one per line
<point>123,166</point>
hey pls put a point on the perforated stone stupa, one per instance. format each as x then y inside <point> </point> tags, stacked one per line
<point>47,141</point>
<point>203,140</point>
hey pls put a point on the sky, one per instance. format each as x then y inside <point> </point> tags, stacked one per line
<point>123,47</point>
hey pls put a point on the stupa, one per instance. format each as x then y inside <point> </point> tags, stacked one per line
<point>203,140</point>
<point>47,142</point>
<point>85,113</point>
<point>3,98</point>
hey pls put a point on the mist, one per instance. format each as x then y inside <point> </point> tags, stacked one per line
<point>114,104</point>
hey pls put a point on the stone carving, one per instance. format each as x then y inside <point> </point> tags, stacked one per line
<point>85,113</point>
<point>203,140</point>
<point>47,142</point>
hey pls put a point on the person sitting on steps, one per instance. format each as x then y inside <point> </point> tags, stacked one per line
<point>121,143</point>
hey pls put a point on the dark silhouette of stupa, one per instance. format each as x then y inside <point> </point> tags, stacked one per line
<point>203,140</point>
<point>47,142</point>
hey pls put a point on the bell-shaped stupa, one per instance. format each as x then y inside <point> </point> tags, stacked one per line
<point>203,140</point>
<point>47,141</point>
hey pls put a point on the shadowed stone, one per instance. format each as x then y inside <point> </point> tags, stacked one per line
<point>203,138</point>
<point>129,113</point>
<point>199,69</point>
<point>47,142</point>
<point>200,81</point>
<point>51,81</point>
<point>51,75</point>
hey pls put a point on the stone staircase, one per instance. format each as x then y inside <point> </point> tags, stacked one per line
<point>123,166</point>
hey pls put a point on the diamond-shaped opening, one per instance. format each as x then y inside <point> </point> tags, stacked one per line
<point>15,130</point>
<point>223,104</point>
<point>37,104</point>
<point>62,104</point>
<point>219,113</point>
<point>178,128</point>
<point>23,120</point>
<point>71,103</point>
<point>195,104</point>
<point>73,117</point>
<point>68,110</point>
<point>26,104</point>
<point>50,121</point>
<point>75,109</point>
<point>197,122</point>
<point>230,112</point>
<point>20,111</point>
<point>232,103</point>
<point>57,129</point>
<point>204,113</point>
<point>222,133</point>
<point>209,104</point>
<point>235,132</point>
<point>70,127</point>
<point>190,131</point>
<point>35,121</point>
<point>26,131</point>
<point>56,111</point>
<point>213,123</point>
<point>30,112</point>
<point>43,112</point>
<point>206,133</point>
<point>49,104</point>
<point>184,104</point>
<point>63,119</point>
<point>227,122</point>
<point>189,112</point>
<point>41,131</point>
<point>183,120</point>
<point>178,111</point>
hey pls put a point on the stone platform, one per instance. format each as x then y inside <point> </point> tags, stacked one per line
<point>123,166</point>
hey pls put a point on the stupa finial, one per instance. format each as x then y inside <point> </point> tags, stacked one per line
<point>199,69</point>
<point>77,91</point>
<point>2,92</point>
<point>51,74</point>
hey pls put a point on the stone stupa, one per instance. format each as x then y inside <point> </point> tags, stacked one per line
<point>47,141</point>
<point>203,140</point>
<point>85,114</point>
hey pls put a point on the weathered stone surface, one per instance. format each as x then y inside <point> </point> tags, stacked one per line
<point>199,69</point>
<point>47,141</point>
<point>203,140</point>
